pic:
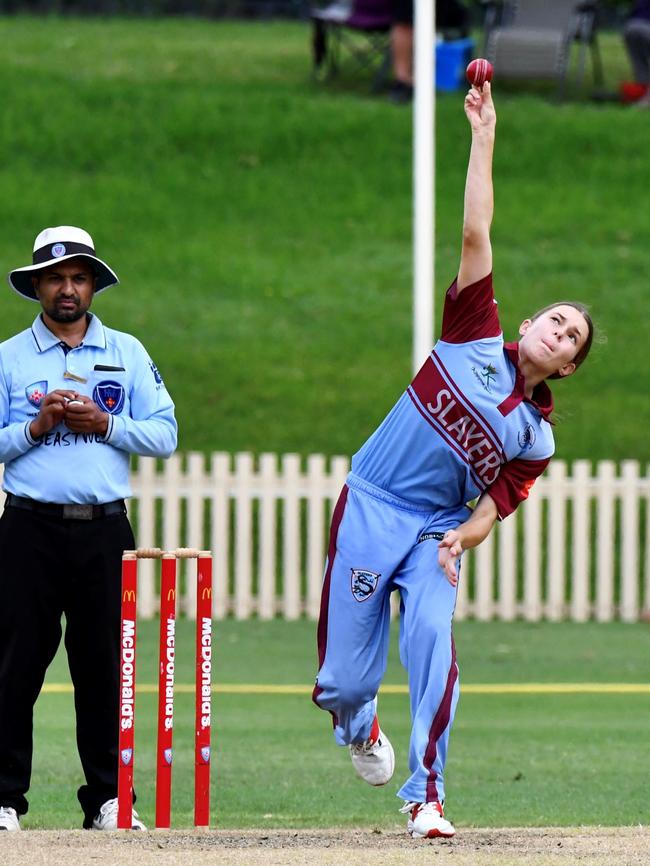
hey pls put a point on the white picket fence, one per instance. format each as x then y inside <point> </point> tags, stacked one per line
<point>579,548</point>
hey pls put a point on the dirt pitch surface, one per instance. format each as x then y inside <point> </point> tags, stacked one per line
<point>604,846</point>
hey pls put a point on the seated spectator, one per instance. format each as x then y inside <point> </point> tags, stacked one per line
<point>637,41</point>
<point>450,14</point>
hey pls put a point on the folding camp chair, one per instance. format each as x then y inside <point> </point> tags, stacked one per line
<point>527,39</point>
<point>361,29</point>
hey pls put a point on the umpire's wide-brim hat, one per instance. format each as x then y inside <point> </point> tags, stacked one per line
<point>56,245</point>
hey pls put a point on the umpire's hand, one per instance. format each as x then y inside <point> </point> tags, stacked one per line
<point>51,412</point>
<point>82,415</point>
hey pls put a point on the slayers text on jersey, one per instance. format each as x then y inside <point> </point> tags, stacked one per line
<point>461,426</point>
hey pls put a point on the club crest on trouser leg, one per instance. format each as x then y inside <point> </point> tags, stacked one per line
<point>205,754</point>
<point>363,583</point>
<point>167,754</point>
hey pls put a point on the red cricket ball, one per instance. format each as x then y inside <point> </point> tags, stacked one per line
<point>479,71</point>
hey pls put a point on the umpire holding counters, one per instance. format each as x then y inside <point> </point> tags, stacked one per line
<point>76,399</point>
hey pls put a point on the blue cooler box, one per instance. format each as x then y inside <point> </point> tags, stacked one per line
<point>451,62</point>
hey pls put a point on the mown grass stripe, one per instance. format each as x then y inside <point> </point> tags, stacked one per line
<point>469,689</point>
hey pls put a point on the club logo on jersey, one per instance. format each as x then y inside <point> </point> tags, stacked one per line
<point>58,250</point>
<point>527,437</point>
<point>109,396</point>
<point>486,376</point>
<point>363,583</point>
<point>126,755</point>
<point>156,374</point>
<point>36,392</point>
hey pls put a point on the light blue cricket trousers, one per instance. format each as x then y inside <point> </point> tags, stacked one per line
<point>379,543</point>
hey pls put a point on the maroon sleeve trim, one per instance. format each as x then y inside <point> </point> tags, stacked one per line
<point>514,483</point>
<point>471,314</point>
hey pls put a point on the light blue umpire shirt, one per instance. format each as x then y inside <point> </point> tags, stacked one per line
<point>114,370</point>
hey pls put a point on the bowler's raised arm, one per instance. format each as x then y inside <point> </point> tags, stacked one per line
<point>476,255</point>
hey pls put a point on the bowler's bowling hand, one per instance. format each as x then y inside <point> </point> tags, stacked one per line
<point>479,109</point>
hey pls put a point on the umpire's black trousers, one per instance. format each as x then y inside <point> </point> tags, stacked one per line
<point>51,566</point>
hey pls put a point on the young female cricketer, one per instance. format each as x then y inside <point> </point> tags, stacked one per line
<point>473,424</point>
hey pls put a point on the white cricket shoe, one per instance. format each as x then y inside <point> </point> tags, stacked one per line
<point>9,819</point>
<point>106,819</point>
<point>428,821</point>
<point>374,759</point>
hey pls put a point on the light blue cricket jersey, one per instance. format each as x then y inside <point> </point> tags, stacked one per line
<point>464,425</point>
<point>67,467</point>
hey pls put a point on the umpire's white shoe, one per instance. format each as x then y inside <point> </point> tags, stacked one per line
<point>374,759</point>
<point>9,819</point>
<point>106,819</point>
<point>428,821</point>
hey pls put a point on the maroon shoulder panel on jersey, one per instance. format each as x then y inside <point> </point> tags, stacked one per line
<point>514,482</point>
<point>471,314</point>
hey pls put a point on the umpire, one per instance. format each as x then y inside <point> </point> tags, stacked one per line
<point>76,399</point>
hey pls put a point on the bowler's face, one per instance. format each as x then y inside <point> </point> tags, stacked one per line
<point>65,290</point>
<point>553,339</point>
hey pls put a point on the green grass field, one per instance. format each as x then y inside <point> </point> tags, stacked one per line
<point>261,223</point>
<point>515,759</point>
